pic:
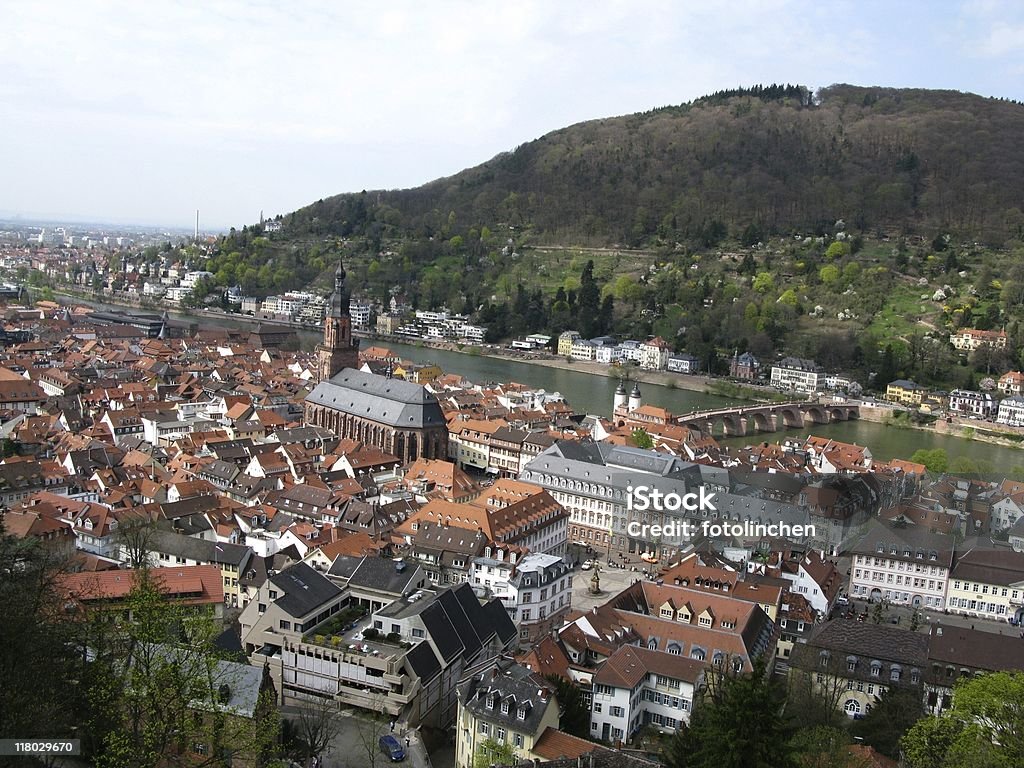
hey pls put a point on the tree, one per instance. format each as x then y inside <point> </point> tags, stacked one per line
<point>764,282</point>
<point>829,274</point>
<point>38,660</point>
<point>935,460</point>
<point>134,537</point>
<point>641,438</point>
<point>369,728</point>
<point>155,687</point>
<point>573,715</point>
<point>492,752</point>
<point>317,724</point>
<point>738,724</point>
<point>984,727</point>
<point>825,747</point>
<point>837,249</point>
<point>889,719</point>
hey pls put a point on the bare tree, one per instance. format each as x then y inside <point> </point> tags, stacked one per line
<point>369,728</point>
<point>318,724</point>
<point>135,533</point>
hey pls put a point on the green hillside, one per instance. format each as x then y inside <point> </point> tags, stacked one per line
<point>882,159</point>
<point>858,228</point>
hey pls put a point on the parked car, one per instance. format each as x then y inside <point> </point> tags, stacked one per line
<point>391,747</point>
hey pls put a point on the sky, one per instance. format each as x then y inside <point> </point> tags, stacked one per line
<point>142,112</point>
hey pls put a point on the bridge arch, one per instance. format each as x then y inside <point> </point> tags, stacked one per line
<point>763,422</point>
<point>815,415</point>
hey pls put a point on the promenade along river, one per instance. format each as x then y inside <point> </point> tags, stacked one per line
<point>593,394</point>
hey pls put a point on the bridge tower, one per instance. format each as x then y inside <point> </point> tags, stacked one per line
<point>634,398</point>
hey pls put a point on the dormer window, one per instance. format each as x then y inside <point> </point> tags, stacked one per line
<point>504,707</point>
<point>521,713</point>
<point>851,663</point>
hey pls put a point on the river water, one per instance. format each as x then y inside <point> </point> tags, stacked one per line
<point>593,394</point>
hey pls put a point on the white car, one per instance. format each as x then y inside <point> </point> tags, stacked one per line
<point>587,565</point>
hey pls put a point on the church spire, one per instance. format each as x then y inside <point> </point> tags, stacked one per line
<point>338,350</point>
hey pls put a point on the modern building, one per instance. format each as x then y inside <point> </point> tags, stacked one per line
<point>683,364</point>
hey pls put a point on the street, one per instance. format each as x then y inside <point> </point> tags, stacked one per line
<point>356,734</point>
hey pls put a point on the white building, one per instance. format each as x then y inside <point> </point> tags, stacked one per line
<point>796,374</point>
<point>902,566</point>
<point>360,314</point>
<point>980,405</point>
<point>630,350</point>
<point>683,364</point>
<point>654,354</point>
<point>987,583</point>
<point>636,687</point>
<point>536,589</point>
<point>1011,411</point>
<point>582,349</point>
<point>474,333</point>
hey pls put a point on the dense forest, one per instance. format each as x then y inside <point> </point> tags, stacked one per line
<point>883,159</point>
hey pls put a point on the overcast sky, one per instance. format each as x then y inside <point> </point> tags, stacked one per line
<point>144,111</point>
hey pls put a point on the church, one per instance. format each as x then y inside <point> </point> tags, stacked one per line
<point>399,417</point>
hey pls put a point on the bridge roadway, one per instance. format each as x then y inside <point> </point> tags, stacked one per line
<point>742,420</point>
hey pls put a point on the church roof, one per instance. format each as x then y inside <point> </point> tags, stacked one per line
<point>396,403</point>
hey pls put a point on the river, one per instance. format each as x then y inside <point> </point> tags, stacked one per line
<point>593,394</point>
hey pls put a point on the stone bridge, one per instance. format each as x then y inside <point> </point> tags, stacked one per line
<point>744,420</point>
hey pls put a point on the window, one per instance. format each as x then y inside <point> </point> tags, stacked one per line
<point>500,734</point>
<point>617,712</point>
<point>517,739</point>
<point>417,632</point>
<point>598,707</point>
<point>285,624</point>
<point>894,675</point>
<point>484,728</point>
<point>263,607</point>
<point>852,707</point>
<point>273,594</point>
<point>504,707</point>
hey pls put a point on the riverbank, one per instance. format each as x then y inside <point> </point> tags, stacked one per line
<point>962,429</point>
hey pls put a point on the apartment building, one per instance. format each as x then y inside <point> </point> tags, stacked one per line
<point>798,375</point>
<point>904,566</point>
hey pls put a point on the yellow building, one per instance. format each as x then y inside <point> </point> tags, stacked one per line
<point>418,374</point>
<point>503,709</point>
<point>565,341</point>
<point>905,392</point>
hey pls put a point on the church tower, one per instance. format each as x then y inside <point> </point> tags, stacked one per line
<point>338,350</point>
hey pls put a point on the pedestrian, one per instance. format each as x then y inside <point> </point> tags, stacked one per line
<point>392,726</point>
<point>408,741</point>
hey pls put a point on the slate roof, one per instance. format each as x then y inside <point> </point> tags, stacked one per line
<point>304,589</point>
<point>503,681</point>
<point>377,573</point>
<point>203,550</point>
<point>393,402</point>
<point>423,660</point>
<point>959,646</point>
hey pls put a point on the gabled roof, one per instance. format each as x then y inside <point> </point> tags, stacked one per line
<point>304,590</point>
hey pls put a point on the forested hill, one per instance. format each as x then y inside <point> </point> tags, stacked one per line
<point>775,157</point>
